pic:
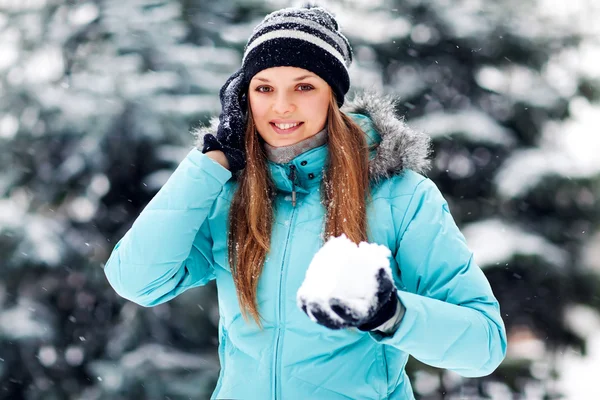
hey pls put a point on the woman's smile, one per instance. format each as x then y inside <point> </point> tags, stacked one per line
<point>286,129</point>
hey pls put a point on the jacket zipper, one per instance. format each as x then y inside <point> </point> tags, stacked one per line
<point>385,371</point>
<point>293,178</point>
<point>278,341</point>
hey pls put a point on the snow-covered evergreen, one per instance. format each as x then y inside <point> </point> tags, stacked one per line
<point>97,102</point>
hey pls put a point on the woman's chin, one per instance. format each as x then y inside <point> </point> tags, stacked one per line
<point>285,141</point>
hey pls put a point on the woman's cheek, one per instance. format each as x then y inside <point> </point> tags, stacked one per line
<point>258,111</point>
<point>316,108</point>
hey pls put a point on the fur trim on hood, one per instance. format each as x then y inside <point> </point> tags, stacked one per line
<point>400,148</point>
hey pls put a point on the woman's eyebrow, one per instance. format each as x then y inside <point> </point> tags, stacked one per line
<point>295,79</point>
<point>304,77</point>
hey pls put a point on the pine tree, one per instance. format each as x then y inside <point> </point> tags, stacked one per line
<point>98,100</point>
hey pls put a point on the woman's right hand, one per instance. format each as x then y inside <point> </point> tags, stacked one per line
<point>229,138</point>
<point>219,157</point>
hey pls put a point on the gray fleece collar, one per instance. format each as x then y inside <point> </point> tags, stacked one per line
<point>285,154</point>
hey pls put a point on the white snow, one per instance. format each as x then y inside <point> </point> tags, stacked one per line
<point>578,137</point>
<point>99,84</point>
<point>107,64</point>
<point>407,81</point>
<point>83,13</point>
<point>519,83</point>
<point>76,106</point>
<point>589,56</point>
<point>45,240</point>
<point>423,34</point>
<point>493,241</point>
<point>383,26</point>
<point>42,235</point>
<point>184,105</point>
<point>135,86</point>
<point>22,322</point>
<point>591,254</point>
<point>163,358</point>
<point>458,165</point>
<point>569,148</point>
<point>523,345</point>
<point>566,14</point>
<point>566,68</point>
<point>132,15</point>
<point>9,126</point>
<point>99,186</point>
<point>426,382</point>
<point>74,355</point>
<point>12,211</point>
<point>210,80</point>
<point>471,123</point>
<point>82,209</point>
<point>47,355</point>
<point>192,56</point>
<point>238,33</point>
<point>578,374</point>
<point>9,53</point>
<point>346,271</point>
<point>22,5</point>
<point>45,65</point>
<point>157,179</point>
<point>366,76</point>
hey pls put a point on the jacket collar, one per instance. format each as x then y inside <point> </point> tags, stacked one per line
<point>305,170</point>
<point>285,154</point>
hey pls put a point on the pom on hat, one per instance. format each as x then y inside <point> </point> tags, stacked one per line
<point>305,37</point>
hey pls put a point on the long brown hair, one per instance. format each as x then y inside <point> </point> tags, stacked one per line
<point>345,193</point>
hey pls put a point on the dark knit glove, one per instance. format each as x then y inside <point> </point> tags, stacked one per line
<point>348,286</point>
<point>232,123</point>
<point>345,316</point>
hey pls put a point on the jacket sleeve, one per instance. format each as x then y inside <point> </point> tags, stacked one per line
<point>452,319</point>
<point>167,250</point>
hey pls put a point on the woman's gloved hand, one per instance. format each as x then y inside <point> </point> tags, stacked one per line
<point>349,286</point>
<point>232,123</point>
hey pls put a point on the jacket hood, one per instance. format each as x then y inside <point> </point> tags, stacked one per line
<point>398,146</point>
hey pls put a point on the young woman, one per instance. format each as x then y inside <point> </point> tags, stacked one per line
<point>283,169</point>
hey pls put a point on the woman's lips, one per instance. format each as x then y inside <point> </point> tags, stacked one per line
<point>286,131</point>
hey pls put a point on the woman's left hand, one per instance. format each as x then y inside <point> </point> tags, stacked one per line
<point>349,286</point>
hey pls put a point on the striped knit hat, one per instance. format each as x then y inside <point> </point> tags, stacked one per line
<point>307,38</point>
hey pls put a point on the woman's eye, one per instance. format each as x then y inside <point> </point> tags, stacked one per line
<point>305,88</point>
<point>268,89</point>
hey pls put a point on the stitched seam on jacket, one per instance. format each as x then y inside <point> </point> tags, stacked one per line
<point>407,207</point>
<point>321,387</point>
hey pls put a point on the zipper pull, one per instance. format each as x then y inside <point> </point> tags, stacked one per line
<point>293,178</point>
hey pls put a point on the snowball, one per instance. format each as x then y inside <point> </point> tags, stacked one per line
<point>346,271</point>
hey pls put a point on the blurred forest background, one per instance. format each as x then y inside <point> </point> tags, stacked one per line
<point>97,102</point>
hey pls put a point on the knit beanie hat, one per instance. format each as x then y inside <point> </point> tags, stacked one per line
<point>306,37</point>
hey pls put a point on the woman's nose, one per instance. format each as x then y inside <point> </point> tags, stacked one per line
<point>283,104</point>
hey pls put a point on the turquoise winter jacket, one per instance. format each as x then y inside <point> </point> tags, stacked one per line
<point>452,318</point>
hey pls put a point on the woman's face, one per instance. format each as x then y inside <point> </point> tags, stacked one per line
<point>288,104</point>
